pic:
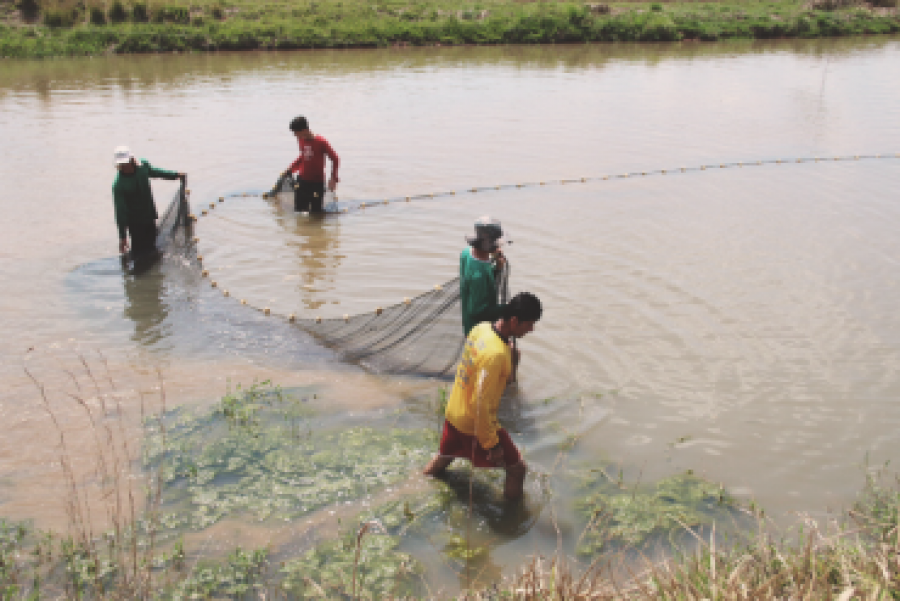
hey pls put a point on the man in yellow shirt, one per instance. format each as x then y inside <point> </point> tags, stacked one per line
<point>471,428</point>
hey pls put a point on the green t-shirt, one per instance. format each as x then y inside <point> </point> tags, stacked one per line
<point>133,198</point>
<point>477,291</point>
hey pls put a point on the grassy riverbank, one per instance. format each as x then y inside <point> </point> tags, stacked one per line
<point>855,560</point>
<point>43,28</point>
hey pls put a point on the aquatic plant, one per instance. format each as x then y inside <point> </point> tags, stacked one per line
<point>463,518</point>
<point>625,517</point>
<point>367,566</point>
<point>878,506</point>
<point>233,577</point>
<point>261,453</point>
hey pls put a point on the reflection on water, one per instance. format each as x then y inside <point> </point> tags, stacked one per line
<point>139,74</point>
<point>144,293</point>
<point>316,241</point>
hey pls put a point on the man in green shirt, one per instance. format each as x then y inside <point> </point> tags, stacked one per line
<point>478,274</point>
<point>133,199</point>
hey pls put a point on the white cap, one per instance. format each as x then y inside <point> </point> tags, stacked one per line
<point>122,155</point>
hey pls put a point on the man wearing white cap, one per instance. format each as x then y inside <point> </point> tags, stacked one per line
<point>478,275</point>
<point>133,199</point>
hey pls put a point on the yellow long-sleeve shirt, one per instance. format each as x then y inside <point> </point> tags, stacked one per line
<point>480,379</point>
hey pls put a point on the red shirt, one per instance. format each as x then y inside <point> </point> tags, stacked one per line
<point>310,165</point>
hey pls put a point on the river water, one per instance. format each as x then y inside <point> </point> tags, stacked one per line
<point>736,322</point>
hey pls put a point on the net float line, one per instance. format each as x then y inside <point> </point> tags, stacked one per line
<point>422,335</point>
<point>347,206</point>
<point>293,318</point>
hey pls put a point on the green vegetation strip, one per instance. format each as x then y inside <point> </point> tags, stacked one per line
<point>636,517</point>
<point>261,454</point>
<point>43,28</point>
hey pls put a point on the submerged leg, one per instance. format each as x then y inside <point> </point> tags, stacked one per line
<point>437,465</point>
<point>302,196</point>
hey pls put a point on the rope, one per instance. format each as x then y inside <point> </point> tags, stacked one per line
<point>349,205</point>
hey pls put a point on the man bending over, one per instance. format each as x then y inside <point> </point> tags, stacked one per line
<point>309,194</point>
<point>133,201</point>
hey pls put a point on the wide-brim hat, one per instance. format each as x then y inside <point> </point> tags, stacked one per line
<point>487,228</point>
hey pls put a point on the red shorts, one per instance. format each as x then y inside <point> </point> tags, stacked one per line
<point>465,446</point>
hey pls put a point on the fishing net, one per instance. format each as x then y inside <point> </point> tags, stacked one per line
<point>284,191</point>
<point>421,335</point>
<point>174,233</point>
<point>175,228</point>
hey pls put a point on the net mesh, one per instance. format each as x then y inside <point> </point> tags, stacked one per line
<point>175,228</point>
<point>420,336</point>
<point>284,191</point>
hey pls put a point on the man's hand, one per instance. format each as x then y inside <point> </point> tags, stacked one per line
<point>495,456</point>
<point>332,185</point>
<point>499,259</point>
<point>123,246</point>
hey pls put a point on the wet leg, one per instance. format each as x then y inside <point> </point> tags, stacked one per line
<point>514,485</point>
<point>437,465</point>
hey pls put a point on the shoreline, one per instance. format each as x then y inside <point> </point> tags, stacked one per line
<point>332,25</point>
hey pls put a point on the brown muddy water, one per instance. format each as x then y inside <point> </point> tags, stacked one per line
<point>740,322</point>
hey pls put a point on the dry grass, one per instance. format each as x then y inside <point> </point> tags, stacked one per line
<point>859,559</point>
<point>109,549</point>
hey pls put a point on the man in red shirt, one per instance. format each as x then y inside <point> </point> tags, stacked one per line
<point>309,193</point>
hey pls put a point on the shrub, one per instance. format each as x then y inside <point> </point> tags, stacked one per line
<point>690,29</point>
<point>97,16</point>
<point>172,14</point>
<point>117,12</point>
<point>883,3</point>
<point>660,28</point>
<point>217,11</point>
<point>806,26</point>
<point>29,9</point>
<point>140,13</point>
<point>710,33</point>
<point>59,17</point>
<point>656,7</point>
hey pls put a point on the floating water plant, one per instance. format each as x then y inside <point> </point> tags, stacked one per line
<point>623,516</point>
<point>262,453</point>
<point>235,576</point>
<point>371,565</point>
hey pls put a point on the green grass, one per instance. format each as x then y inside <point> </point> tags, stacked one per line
<point>63,27</point>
